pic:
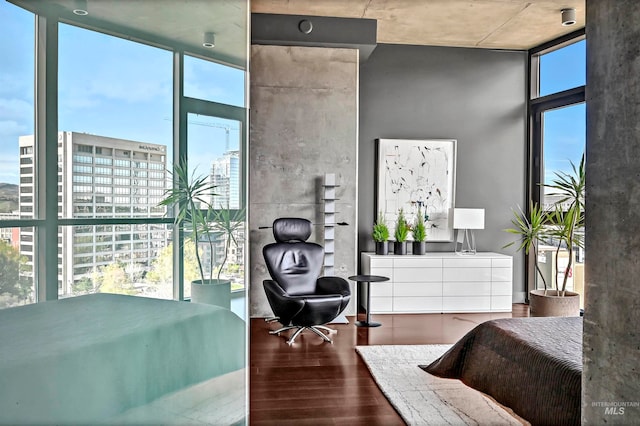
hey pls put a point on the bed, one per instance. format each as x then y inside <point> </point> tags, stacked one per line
<point>531,365</point>
<point>86,359</point>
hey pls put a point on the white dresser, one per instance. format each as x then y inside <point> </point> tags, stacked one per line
<point>440,282</point>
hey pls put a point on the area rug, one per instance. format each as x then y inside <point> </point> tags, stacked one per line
<point>423,399</point>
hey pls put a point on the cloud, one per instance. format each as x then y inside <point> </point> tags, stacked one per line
<point>77,98</point>
<point>9,168</point>
<point>114,83</point>
<point>15,84</point>
<point>119,71</point>
<point>15,109</point>
<point>133,90</point>
<point>12,129</point>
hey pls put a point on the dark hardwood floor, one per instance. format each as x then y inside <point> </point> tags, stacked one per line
<point>316,383</point>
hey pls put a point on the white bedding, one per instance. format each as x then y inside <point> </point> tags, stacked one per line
<point>85,359</point>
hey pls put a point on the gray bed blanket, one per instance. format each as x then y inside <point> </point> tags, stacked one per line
<point>84,359</point>
<point>531,365</point>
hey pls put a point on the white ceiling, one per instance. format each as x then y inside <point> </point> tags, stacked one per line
<point>492,24</point>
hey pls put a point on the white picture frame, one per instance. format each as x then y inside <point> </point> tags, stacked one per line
<point>413,173</point>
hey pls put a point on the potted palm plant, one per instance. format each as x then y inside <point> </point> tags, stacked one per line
<point>530,230</point>
<point>204,226</point>
<point>559,225</point>
<point>401,233</point>
<point>419,232</point>
<point>380,235</point>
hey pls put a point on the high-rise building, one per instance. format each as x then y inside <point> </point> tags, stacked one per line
<point>100,177</point>
<point>225,175</point>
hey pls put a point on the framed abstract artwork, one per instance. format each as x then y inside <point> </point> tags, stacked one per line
<point>414,174</point>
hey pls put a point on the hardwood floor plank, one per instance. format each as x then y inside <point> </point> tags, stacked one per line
<point>316,383</point>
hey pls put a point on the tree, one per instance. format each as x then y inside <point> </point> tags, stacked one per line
<point>113,278</point>
<point>15,288</point>
<point>82,286</point>
<point>162,267</point>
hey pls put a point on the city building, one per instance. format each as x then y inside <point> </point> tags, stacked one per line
<point>9,235</point>
<point>225,175</point>
<point>100,177</point>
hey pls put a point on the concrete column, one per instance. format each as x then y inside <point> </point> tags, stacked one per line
<point>611,353</point>
<point>303,124</point>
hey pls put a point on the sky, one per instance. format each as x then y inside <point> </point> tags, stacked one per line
<point>564,128</point>
<point>117,88</point>
<point>109,87</point>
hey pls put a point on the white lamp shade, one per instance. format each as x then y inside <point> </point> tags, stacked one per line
<point>468,218</point>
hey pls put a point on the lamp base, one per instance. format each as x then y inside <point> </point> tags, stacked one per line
<point>465,243</point>
<point>466,253</point>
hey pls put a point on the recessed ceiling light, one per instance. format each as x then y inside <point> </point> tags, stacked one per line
<point>80,7</point>
<point>209,40</point>
<point>568,17</point>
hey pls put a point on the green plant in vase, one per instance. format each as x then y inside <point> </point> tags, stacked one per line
<point>530,230</point>
<point>401,233</point>
<point>419,232</point>
<point>203,225</point>
<point>560,225</point>
<point>380,234</point>
<point>567,217</point>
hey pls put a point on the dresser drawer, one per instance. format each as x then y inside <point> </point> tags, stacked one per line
<point>501,303</point>
<point>385,272</point>
<point>381,289</point>
<point>417,289</point>
<point>416,262</point>
<point>464,288</point>
<point>381,304</point>
<point>506,262</point>
<point>417,275</point>
<point>467,262</point>
<point>501,288</point>
<point>417,304</point>
<point>466,274</point>
<point>466,304</point>
<point>501,274</point>
<point>381,262</point>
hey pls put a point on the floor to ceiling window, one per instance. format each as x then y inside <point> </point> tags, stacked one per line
<point>96,108</point>
<point>558,129</point>
<point>115,146</point>
<point>118,136</point>
<point>17,170</point>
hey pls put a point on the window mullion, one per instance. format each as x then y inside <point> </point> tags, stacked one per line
<point>46,157</point>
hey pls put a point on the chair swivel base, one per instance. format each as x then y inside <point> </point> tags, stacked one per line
<point>299,329</point>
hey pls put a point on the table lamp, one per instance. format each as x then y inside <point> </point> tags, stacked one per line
<point>467,220</point>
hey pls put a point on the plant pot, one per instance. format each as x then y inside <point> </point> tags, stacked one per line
<point>400,247</point>
<point>382,247</point>
<point>419,247</point>
<point>213,292</point>
<point>552,305</point>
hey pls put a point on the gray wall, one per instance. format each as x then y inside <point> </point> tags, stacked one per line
<point>476,96</point>
<point>303,124</point>
<point>611,345</point>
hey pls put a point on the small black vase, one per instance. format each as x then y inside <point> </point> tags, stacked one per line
<point>419,247</point>
<point>400,247</point>
<point>382,247</point>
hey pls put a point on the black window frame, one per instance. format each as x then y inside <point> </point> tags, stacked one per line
<point>537,106</point>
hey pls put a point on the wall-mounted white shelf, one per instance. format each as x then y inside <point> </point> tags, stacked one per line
<point>329,213</point>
